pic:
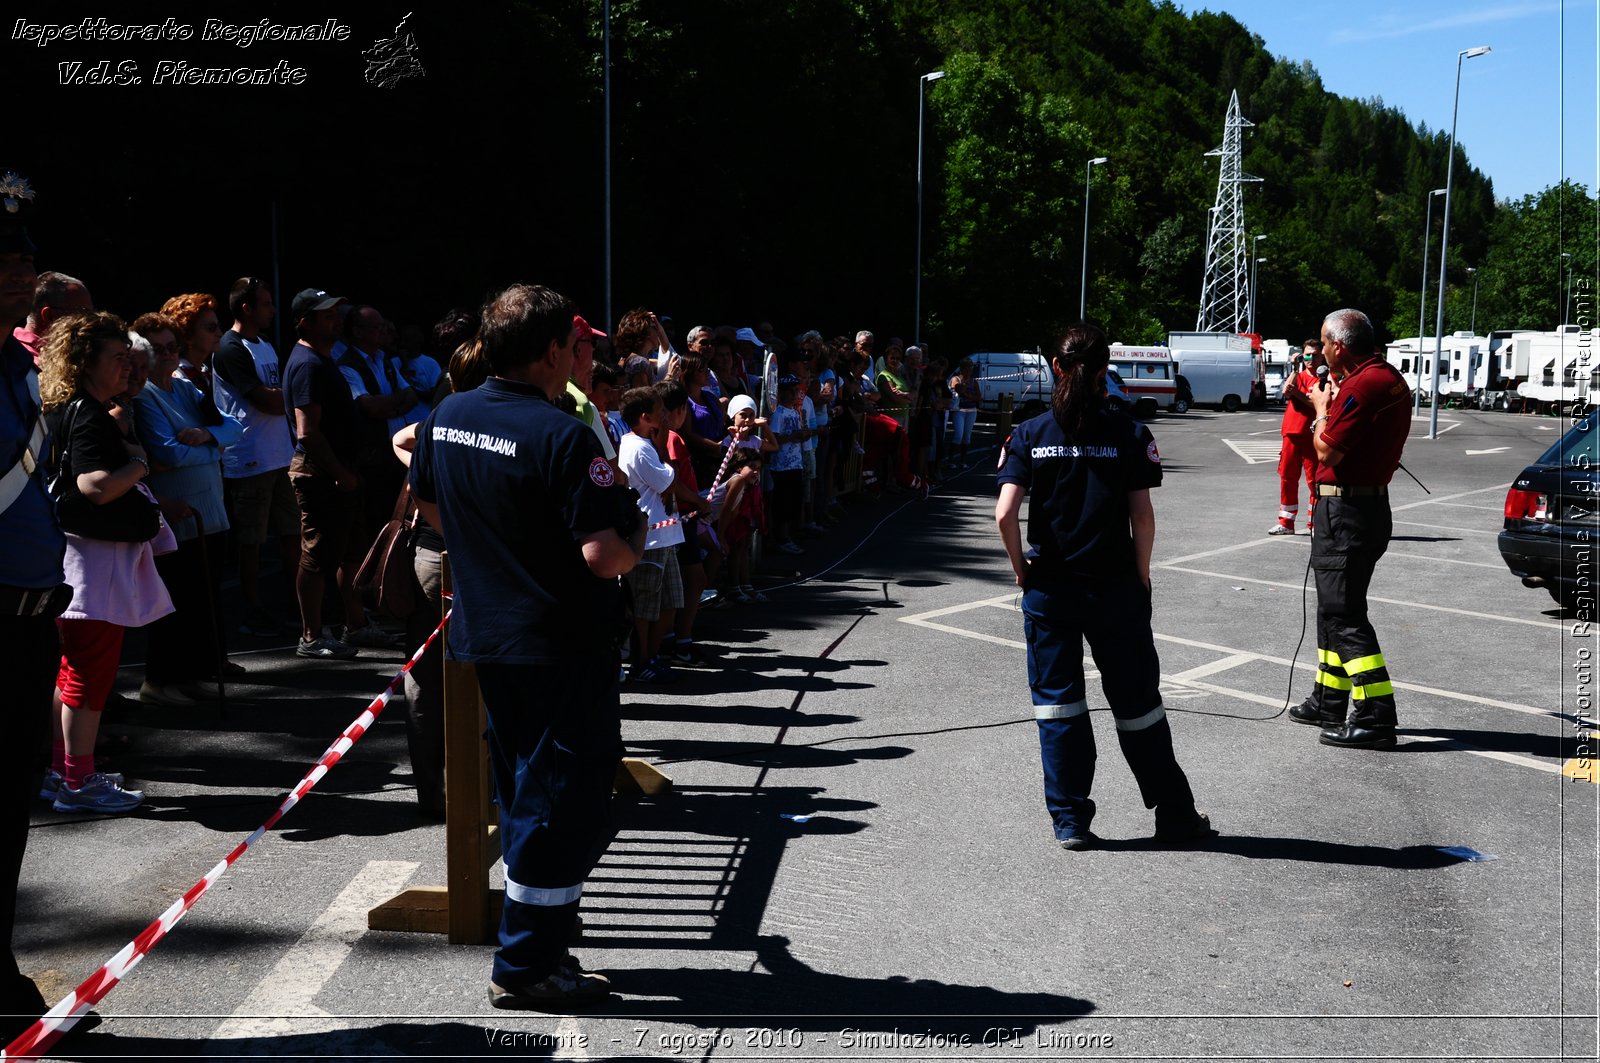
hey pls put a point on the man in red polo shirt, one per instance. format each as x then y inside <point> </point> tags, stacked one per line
<point>1360,428</point>
<point>1297,455</point>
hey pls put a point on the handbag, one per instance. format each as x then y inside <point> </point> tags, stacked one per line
<point>133,517</point>
<point>387,578</point>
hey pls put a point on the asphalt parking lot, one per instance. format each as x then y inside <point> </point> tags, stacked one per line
<point>855,861</point>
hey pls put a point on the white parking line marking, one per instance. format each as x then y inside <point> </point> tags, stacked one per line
<point>280,1005</point>
<point>1256,451</point>
<point>1491,754</point>
<point>1445,498</point>
<point>1445,560</point>
<point>1372,598</point>
<point>1468,505</point>
<point>1190,680</point>
<point>1214,667</point>
<point>1450,528</point>
<point>1264,540</point>
<point>1230,651</point>
<point>1444,425</point>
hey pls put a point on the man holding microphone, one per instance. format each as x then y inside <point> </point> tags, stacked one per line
<point>1358,434</point>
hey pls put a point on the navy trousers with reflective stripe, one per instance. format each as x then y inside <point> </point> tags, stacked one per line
<point>1349,536</point>
<point>555,736</point>
<point>1114,616</point>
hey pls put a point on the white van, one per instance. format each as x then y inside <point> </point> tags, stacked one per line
<point>1024,375</point>
<point>1227,379</point>
<point>1149,378</point>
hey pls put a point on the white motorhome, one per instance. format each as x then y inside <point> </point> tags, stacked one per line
<point>1562,367</point>
<point>1220,368</point>
<point>1462,359</point>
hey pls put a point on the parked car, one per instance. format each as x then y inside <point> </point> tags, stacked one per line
<point>1552,520</point>
<point>1024,375</point>
<point>1117,391</point>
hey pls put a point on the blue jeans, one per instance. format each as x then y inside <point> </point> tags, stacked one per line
<point>1060,611</point>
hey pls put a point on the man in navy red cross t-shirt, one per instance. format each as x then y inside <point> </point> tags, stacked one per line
<point>538,531</point>
<point>1359,431</point>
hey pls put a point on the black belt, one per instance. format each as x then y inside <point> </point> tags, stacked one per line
<point>1352,490</point>
<point>49,602</point>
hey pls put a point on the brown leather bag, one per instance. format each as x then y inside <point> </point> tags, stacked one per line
<point>387,578</point>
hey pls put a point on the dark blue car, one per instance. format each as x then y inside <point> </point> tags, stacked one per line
<point>1552,514</point>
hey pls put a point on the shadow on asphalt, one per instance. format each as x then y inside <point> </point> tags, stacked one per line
<point>1308,850</point>
<point>794,995</point>
<point>1539,745</point>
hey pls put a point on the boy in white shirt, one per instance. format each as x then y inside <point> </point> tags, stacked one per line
<point>656,581</point>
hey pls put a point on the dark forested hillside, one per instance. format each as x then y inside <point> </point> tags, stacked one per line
<point>764,167</point>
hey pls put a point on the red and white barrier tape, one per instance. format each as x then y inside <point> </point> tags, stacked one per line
<point>38,1038</point>
<point>716,481</point>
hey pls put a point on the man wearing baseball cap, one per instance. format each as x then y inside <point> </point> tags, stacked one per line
<point>325,424</point>
<point>582,382</point>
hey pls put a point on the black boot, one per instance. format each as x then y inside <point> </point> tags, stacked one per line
<point>1319,711</point>
<point>1371,726</point>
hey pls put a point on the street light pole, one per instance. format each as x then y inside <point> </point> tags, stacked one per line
<point>1083,286</point>
<point>1422,308</point>
<point>605,97</point>
<point>1444,239</point>
<point>1255,247</point>
<point>1473,327</point>
<point>1566,307</point>
<point>916,305</point>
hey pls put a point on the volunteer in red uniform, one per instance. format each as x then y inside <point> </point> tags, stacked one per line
<point>1297,455</point>
<point>1362,418</point>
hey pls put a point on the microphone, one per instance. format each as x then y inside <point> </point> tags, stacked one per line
<point>1322,378</point>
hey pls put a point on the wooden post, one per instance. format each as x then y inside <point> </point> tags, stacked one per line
<point>465,907</point>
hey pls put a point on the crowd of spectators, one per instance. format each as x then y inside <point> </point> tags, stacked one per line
<point>736,441</point>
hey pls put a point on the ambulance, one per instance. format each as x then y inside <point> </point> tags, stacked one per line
<point>1150,379</point>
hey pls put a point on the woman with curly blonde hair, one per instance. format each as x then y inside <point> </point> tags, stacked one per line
<point>110,519</point>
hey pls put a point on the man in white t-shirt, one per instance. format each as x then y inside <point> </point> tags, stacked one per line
<point>656,581</point>
<point>255,470</point>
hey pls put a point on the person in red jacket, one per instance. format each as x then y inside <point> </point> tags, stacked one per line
<point>1363,417</point>
<point>1297,457</point>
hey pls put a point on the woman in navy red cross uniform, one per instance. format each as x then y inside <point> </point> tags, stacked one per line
<point>1088,470</point>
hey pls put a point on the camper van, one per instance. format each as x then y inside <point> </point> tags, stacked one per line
<point>1562,370</point>
<point>1463,359</point>
<point>1219,368</point>
<point>1504,370</point>
<point>1024,375</point>
<point>1149,379</point>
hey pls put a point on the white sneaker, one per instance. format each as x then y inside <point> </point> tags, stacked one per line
<point>170,695</point>
<point>97,794</point>
<point>371,637</point>
<point>53,782</point>
<point>1281,529</point>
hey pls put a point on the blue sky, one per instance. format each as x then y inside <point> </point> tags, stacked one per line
<point>1404,53</point>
